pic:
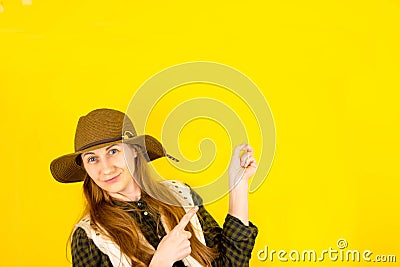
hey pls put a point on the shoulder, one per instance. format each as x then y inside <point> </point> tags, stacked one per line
<point>81,229</point>
<point>79,235</point>
<point>83,248</point>
<point>82,234</point>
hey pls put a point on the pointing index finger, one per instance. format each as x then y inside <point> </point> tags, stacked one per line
<point>186,218</point>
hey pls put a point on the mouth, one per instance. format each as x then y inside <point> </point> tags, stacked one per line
<point>112,180</point>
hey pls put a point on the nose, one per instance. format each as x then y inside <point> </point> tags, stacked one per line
<point>107,166</point>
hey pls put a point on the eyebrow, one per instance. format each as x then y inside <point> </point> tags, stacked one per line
<point>88,153</point>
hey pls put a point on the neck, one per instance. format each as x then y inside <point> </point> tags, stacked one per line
<point>126,196</point>
<point>132,193</point>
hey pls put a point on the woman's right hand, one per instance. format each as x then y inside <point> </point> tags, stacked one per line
<point>175,245</point>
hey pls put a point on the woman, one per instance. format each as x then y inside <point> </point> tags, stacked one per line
<point>133,220</point>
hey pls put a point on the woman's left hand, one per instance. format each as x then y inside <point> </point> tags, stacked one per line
<point>243,165</point>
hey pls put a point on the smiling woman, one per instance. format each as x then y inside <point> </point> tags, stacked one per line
<point>132,219</point>
<point>106,166</point>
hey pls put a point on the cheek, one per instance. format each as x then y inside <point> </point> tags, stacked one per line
<point>91,171</point>
<point>119,161</point>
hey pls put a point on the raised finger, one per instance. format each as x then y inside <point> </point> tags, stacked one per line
<point>186,218</point>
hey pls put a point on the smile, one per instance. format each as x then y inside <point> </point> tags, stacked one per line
<point>112,180</point>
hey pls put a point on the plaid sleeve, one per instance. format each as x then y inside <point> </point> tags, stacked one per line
<point>85,253</point>
<point>235,241</point>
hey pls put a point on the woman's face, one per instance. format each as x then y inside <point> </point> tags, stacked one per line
<point>108,169</point>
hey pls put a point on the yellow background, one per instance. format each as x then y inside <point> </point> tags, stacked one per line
<point>329,70</point>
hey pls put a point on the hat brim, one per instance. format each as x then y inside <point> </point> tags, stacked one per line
<point>65,169</point>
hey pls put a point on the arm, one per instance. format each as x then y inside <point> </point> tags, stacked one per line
<point>241,168</point>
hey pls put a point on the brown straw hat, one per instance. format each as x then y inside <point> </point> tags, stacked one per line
<point>99,128</point>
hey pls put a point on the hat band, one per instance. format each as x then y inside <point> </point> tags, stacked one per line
<point>99,143</point>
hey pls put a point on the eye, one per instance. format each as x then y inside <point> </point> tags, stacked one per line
<point>113,151</point>
<point>91,159</point>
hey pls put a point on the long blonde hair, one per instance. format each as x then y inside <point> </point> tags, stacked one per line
<point>115,222</point>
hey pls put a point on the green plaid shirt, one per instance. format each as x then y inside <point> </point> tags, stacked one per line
<point>234,241</point>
